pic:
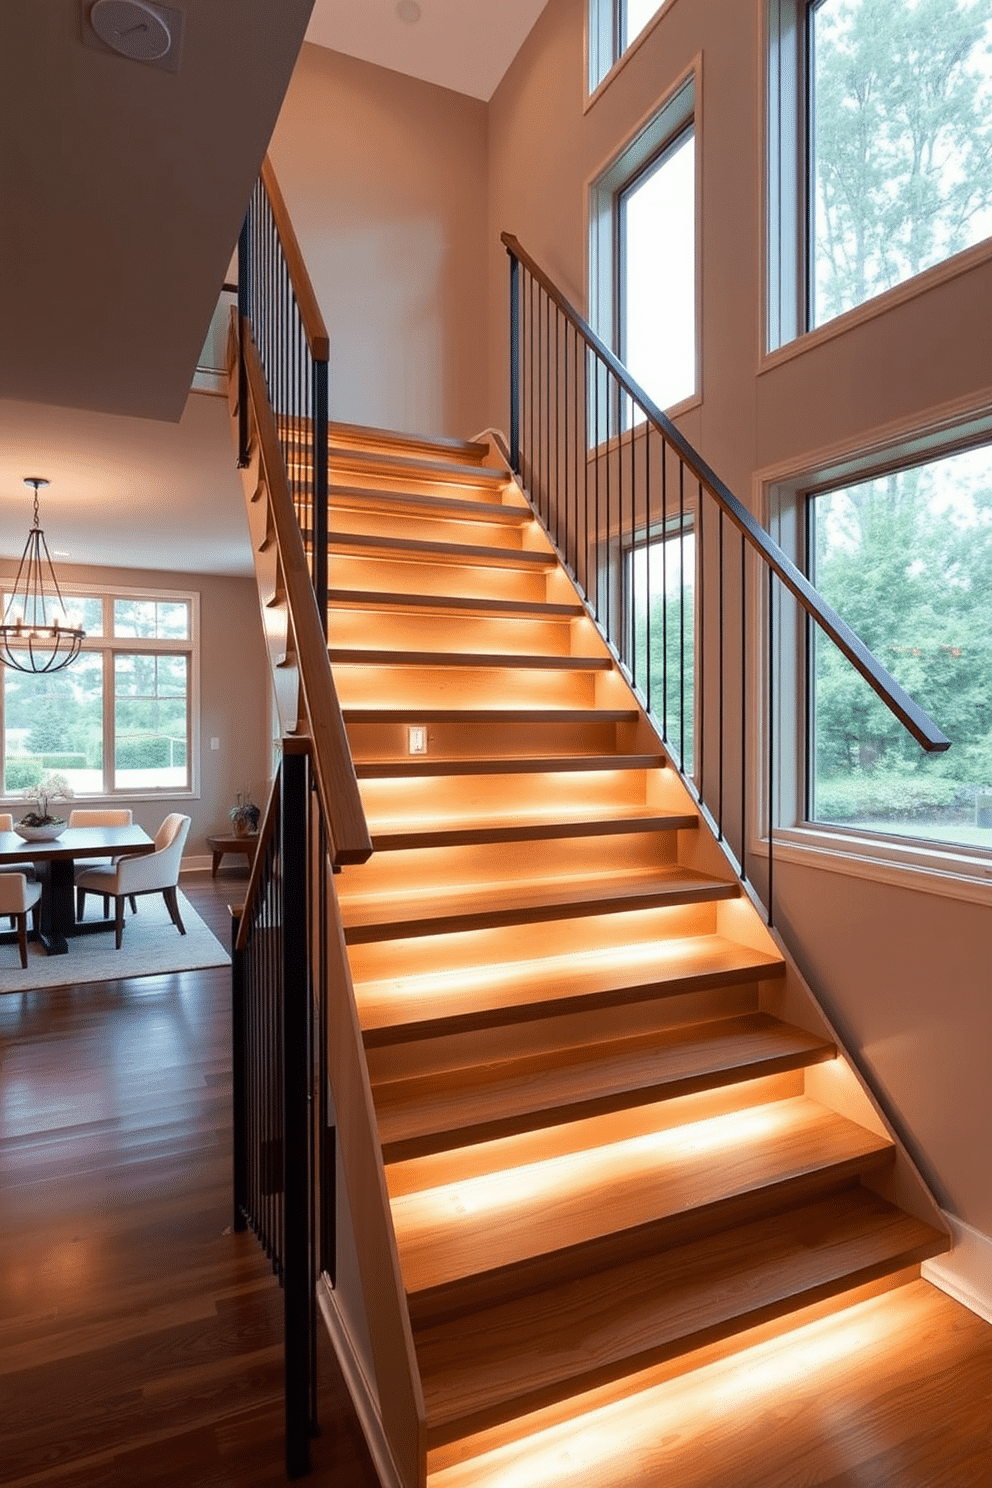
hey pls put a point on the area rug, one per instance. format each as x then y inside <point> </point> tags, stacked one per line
<point>152,946</point>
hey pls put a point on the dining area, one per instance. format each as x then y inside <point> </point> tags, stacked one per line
<point>46,879</point>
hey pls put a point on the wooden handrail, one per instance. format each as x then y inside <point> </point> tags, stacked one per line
<point>313,322</point>
<point>334,770</point>
<point>895,698</point>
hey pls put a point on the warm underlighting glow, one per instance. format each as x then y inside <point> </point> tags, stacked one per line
<point>513,1188</point>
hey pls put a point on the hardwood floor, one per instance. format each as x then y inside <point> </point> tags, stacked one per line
<point>140,1340</point>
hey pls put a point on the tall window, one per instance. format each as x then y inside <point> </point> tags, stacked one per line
<point>656,226</point>
<point>905,558</point>
<point>614,25</point>
<point>880,148</point>
<point>643,254</point>
<point>120,718</point>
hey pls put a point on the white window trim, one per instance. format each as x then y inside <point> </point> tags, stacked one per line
<point>933,867</point>
<point>102,644</point>
<point>599,45</point>
<point>679,108</point>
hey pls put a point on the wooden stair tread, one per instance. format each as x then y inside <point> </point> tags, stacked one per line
<point>399,834</point>
<point>396,1009</point>
<point>367,436</point>
<point>435,912</point>
<point>425,504</point>
<point>400,468</point>
<point>512,1358</point>
<point>490,715</point>
<point>481,1226</point>
<point>431,1113</point>
<point>367,599</point>
<point>476,555</point>
<point>532,764</point>
<point>349,656</point>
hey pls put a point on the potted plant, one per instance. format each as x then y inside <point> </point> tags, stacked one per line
<point>245,815</point>
<point>40,825</point>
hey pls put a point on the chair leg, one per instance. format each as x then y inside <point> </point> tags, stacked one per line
<point>106,906</point>
<point>22,936</point>
<point>172,903</point>
<point>133,903</point>
<point>119,918</point>
<point>80,903</point>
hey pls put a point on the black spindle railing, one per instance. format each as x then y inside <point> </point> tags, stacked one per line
<point>666,558</point>
<point>276,299</point>
<point>283,1142</point>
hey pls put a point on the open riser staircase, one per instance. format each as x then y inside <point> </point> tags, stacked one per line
<point>617,1135</point>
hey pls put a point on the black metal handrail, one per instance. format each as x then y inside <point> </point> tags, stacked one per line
<point>277,297</point>
<point>613,479</point>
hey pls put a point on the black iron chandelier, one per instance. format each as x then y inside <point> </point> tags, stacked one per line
<point>36,635</point>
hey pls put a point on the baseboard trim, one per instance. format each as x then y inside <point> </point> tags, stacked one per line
<point>360,1388</point>
<point>965,1273</point>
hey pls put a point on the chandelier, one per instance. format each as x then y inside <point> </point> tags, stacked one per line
<point>36,635</point>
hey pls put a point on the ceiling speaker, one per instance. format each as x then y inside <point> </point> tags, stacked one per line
<point>132,28</point>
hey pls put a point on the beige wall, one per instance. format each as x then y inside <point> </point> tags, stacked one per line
<point>234,697</point>
<point>904,973</point>
<point>385,179</point>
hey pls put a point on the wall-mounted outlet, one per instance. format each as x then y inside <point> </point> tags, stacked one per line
<point>214,743</point>
<point>417,739</point>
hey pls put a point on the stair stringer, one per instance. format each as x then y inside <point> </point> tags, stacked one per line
<point>845,1085</point>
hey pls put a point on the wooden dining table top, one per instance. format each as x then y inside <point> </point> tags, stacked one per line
<point>77,842</point>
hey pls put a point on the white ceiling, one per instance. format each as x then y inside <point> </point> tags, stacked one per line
<point>96,247</point>
<point>466,45</point>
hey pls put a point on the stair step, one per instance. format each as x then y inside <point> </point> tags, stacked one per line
<point>417,550</point>
<point>398,1010</point>
<point>451,604</point>
<point>423,504</point>
<point>434,912</point>
<point>508,1360</point>
<point>436,659</point>
<point>398,470</point>
<point>438,1111</point>
<point>479,1241</point>
<point>491,715</point>
<point>367,437</point>
<point>560,764</point>
<point>398,836</point>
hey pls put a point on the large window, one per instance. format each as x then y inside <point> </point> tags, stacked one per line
<point>120,718</point>
<point>643,254</point>
<point>905,558</point>
<point>880,143</point>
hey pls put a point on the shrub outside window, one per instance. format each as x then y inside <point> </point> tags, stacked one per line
<point>905,557</point>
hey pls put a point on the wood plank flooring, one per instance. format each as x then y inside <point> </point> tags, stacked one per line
<point>140,1340</point>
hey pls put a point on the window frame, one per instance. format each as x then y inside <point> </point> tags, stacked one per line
<point>953,870</point>
<point>789,170</point>
<point>669,121</point>
<point>606,50</point>
<point>109,646</point>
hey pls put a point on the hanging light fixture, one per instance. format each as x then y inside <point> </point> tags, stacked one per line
<point>36,635</point>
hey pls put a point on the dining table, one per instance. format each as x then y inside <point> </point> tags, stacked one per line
<point>54,864</point>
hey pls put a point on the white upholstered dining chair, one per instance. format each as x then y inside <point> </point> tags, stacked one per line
<point>102,816</point>
<point>17,897</point>
<point>155,873</point>
<point>7,825</point>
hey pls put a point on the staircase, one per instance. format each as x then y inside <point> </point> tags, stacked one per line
<point>609,1155</point>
